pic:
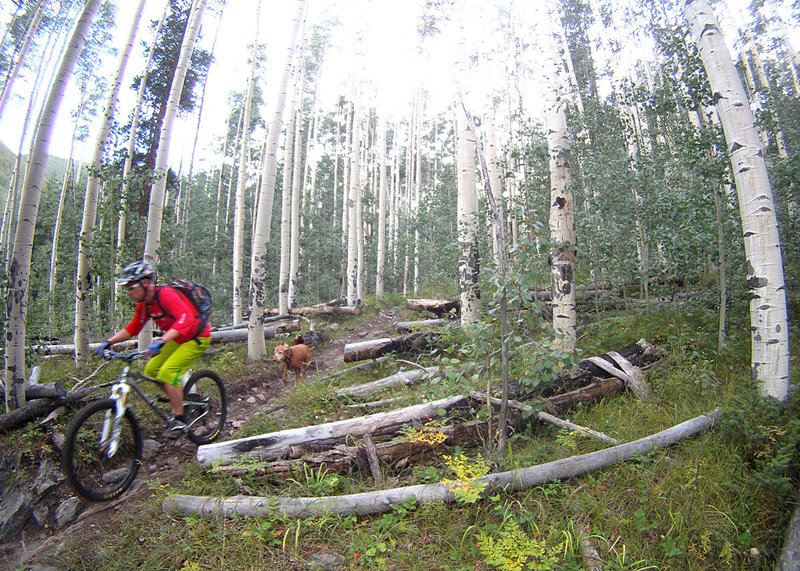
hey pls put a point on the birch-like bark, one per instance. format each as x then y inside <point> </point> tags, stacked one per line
<point>286,204</point>
<point>158,191</point>
<point>297,183</point>
<point>187,195</point>
<point>244,154</point>
<point>137,110</point>
<point>256,347</point>
<point>562,217</point>
<point>23,52</point>
<point>467,221</point>
<point>20,265</point>
<point>156,207</point>
<point>769,321</point>
<point>353,203</point>
<point>82,278</point>
<point>381,265</point>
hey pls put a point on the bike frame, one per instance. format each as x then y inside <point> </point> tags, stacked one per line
<point>109,439</point>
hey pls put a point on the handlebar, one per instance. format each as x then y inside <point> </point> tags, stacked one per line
<point>127,357</point>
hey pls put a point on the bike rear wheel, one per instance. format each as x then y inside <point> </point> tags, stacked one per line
<point>205,405</point>
<point>86,462</point>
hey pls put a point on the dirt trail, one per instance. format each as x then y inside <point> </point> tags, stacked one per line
<point>37,545</point>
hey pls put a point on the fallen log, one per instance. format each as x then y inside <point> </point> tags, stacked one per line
<point>639,354</point>
<point>245,325</point>
<point>276,444</point>
<point>340,458</point>
<point>789,559</point>
<point>236,335</point>
<point>409,326</point>
<point>381,501</point>
<point>549,418</point>
<point>438,306</point>
<point>45,391</point>
<point>322,309</point>
<point>378,347</point>
<point>407,378</point>
<point>217,336</point>
<point>39,407</point>
<point>360,367</point>
<point>344,458</point>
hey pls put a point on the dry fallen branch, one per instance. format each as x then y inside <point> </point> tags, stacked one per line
<point>549,418</point>
<point>276,444</point>
<point>378,347</point>
<point>407,378</point>
<point>382,500</point>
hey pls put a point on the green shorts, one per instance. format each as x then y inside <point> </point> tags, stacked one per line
<point>175,359</point>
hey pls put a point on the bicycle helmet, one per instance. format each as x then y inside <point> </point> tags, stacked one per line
<point>136,271</point>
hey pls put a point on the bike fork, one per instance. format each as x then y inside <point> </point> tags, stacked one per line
<point>112,425</point>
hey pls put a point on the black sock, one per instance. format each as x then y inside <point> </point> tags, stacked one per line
<point>181,418</point>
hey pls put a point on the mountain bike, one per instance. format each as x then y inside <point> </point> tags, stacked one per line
<point>103,448</point>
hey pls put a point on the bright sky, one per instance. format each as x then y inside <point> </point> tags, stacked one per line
<point>386,55</point>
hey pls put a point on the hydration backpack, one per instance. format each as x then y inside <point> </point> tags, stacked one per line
<point>198,295</point>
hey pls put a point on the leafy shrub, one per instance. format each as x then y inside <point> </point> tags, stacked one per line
<point>766,436</point>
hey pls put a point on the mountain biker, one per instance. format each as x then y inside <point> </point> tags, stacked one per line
<point>180,344</point>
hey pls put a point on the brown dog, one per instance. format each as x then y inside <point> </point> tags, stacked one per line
<point>295,358</point>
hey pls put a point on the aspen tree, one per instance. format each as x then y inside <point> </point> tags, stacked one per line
<point>33,27</point>
<point>256,347</point>
<point>137,110</point>
<point>297,183</point>
<point>562,217</point>
<point>353,205</point>
<point>12,202</point>
<point>182,214</point>
<point>244,154</point>
<point>156,207</point>
<point>83,270</point>
<point>286,198</point>
<point>765,278</point>
<point>381,262</point>
<point>20,264</point>
<point>467,221</point>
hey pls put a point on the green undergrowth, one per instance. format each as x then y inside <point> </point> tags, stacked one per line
<point>719,500</point>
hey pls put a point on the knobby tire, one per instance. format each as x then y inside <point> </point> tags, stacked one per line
<point>90,473</point>
<point>205,386</point>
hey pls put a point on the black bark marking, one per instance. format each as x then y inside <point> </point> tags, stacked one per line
<point>560,202</point>
<point>736,146</point>
<point>755,282</point>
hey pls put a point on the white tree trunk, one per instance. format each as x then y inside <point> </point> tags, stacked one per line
<point>297,183</point>
<point>381,265</point>
<point>562,217</point>
<point>241,186</point>
<point>156,207</point>
<point>467,221</point>
<point>353,204</point>
<point>765,278</point>
<point>256,348</point>
<point>137,110</point>
<point>286,200</point>
<point>20,264</point>
<point>82,278</point>
<point>23,51</point>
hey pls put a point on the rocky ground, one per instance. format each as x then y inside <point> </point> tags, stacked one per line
<point>39,511</point>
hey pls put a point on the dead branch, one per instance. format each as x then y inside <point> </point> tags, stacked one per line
<point>382,500</point>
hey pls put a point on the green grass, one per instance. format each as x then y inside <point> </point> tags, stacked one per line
<point>720,500</point>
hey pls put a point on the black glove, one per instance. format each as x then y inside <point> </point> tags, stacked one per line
<point>101,349</point>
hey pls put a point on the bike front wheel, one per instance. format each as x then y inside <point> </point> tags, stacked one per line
<point>205,404</point>
<point>100,466</point>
